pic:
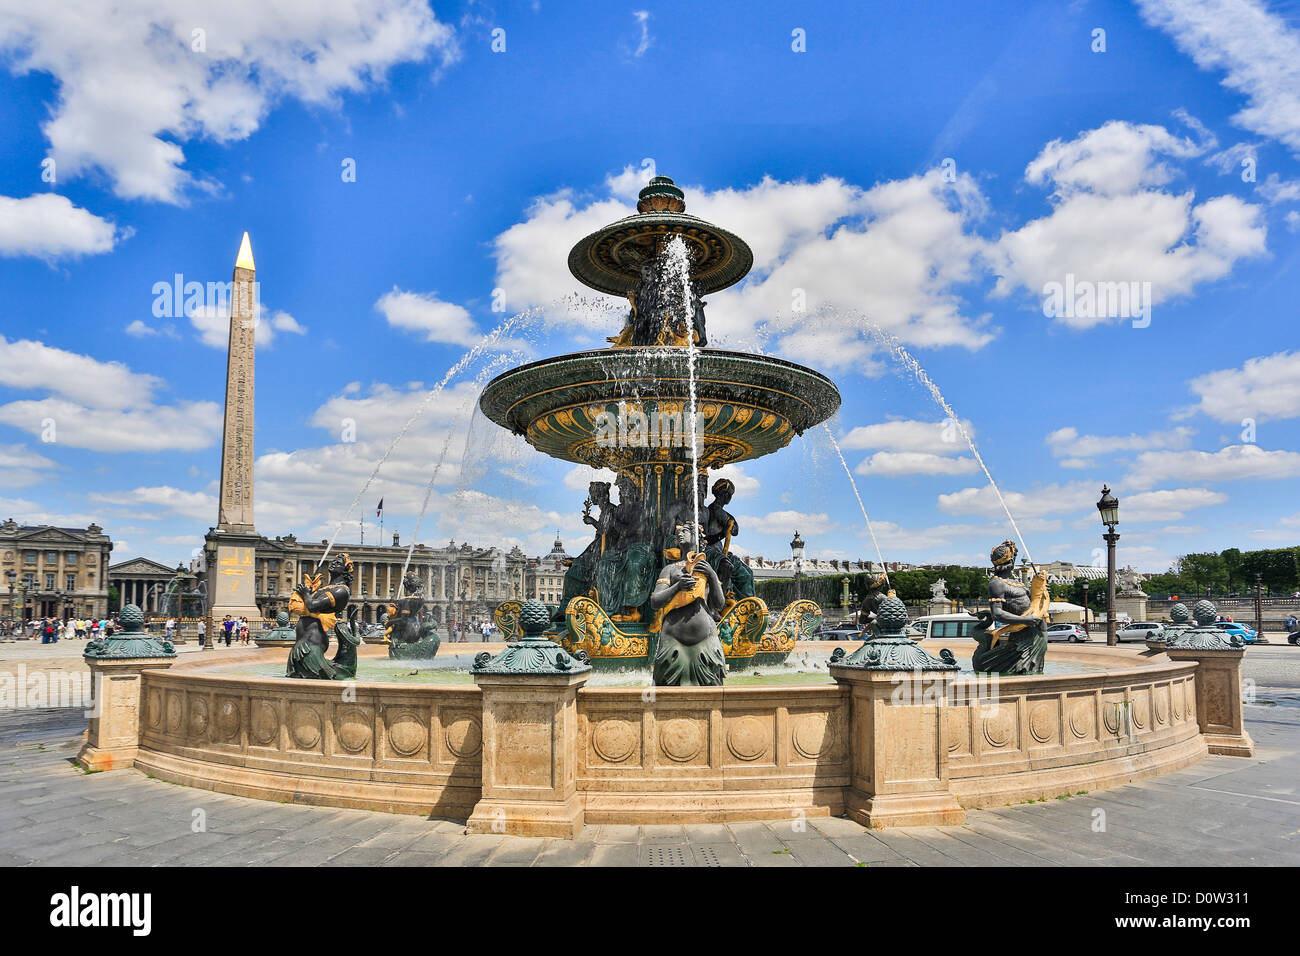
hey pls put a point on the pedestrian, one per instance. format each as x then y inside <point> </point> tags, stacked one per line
<point>171,627</point>
<point>243,630</point>
<point>203,630</point>
<point>227,627</point>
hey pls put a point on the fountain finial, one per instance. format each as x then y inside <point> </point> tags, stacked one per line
<point>662,195</point>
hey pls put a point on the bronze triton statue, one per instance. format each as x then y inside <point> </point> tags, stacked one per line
<point>686,599</point>
<point>1019,645</point>
<point>318,608</point>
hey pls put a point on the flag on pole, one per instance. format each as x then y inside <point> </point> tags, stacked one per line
<point>379,508</point>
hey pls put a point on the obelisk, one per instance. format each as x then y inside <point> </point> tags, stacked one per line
<point>232,544</point>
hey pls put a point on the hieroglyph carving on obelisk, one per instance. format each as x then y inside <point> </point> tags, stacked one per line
<point>236,507</point>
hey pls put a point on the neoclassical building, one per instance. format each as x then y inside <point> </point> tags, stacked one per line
<point>461,582</point>
<point>54,572</point>
<point>544,578</point>
<point>142,582</point>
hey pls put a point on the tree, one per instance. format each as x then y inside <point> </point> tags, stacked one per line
<point>1203,570</point>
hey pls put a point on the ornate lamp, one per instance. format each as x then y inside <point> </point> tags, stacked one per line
<point>1108,506</point>
<point>796,552</point>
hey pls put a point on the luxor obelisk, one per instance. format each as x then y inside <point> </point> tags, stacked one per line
<point>232,544</point>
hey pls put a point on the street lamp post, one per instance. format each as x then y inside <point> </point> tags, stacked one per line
<point>1086,609</point>
<point>1108,506</point>
<point>11,576</point>
<point>796,551</point>
<point>1259,604</point>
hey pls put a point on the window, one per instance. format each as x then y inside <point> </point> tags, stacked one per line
<point>270,587</point>
<point>29,557</point>
<point>70,558</point>
<point>70,582</point>
<point>29,581</point>
<point>51,557</point>
<point>944,629</point>
<point>49,580</point>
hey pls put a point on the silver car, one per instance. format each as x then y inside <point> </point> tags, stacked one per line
<point>1140,631</point>
<point>1067,632</point>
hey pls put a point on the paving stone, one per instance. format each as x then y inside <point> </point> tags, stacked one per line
<point>663,833</point>
<point>566,853</point>
<point>618,833</point>
<point>516,851</point>
<point>717,854</point>
<point>615,854</point>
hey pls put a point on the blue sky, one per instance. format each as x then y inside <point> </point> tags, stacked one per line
<point>933,168</point>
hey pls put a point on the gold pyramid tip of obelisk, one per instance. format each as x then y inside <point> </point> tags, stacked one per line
<point>245,260</point>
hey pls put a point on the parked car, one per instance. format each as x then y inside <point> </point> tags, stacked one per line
<point>1074,633</point>
<point>1140,631</point>
<point>944,625</point>
<point>1247,634</point>
<point>843,631</point>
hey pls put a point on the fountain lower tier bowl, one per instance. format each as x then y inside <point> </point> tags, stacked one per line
<point>617,407</point>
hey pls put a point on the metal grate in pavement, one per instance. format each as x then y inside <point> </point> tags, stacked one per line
<point>707,856</point>
<point>666,856</point>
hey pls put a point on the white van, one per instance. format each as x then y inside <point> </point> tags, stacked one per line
<point>944,625</point>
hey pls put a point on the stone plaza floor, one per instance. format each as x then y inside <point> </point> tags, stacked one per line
<point>1224,811</point>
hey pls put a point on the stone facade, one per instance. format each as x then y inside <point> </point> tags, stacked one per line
<point>57,572</point>
<point>142,582</point>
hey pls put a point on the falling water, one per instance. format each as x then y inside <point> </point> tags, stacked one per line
<point>479,380</point>
<point>679,263</point>
<point>905,358</point>
<point>489,340</point>
<point>870,530</point>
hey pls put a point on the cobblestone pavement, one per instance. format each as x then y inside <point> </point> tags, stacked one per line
<point>1224,811</point>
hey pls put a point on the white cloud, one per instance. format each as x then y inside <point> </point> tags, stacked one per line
<point>786,522</point>
<point>48,226</point>
<point>889,464</point>
<point>1167,240</point>
<point>1112,160</point>
<point>425,313</point>
<point>1265,387</point>
<point>185,426</point>
<point>139,330</point>
<point>21,467</point>
<point>189,504</point>
<point>1167,505</point>
<point>34,365</point>
<point>102,406</point>
<point>1227,464</point>
<point>935,438</point>
<point>1256,50</point>
<point>133,88</point>
<point>645,40</point>
<point>1077,449</point>
<point>1053,499</point>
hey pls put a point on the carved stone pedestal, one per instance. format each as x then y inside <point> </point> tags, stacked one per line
<point>900,739</point>
<point>117,664</point>
<point>900,749</point>
<point>1218,698</point>
<point>530,735</point>
<point>114,732</point>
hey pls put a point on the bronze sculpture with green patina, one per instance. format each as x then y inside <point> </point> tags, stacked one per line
<point>1011,636</point>
<point>411,635</point>
<point>319,607</point>
<point>688,595</point>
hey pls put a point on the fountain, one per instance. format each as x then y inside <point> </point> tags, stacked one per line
<point>893,732</point>
<point>660,409</point>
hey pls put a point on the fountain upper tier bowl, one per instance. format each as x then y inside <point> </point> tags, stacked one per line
<point>617,407</point>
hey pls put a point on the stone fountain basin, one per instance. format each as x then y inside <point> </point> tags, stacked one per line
<point>688,755</point>
<point>748,405</point>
